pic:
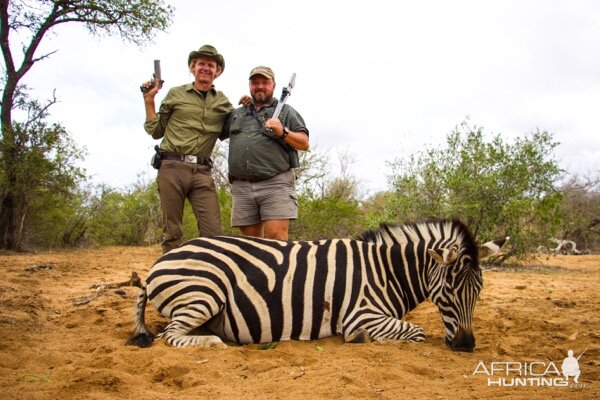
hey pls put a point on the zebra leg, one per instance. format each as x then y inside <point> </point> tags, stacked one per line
<point>177,332</point>
<point>381,328</point>
<point>405,331</point>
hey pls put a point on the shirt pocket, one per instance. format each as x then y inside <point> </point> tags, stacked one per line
<point>236,124</point>
<point>216,116</point>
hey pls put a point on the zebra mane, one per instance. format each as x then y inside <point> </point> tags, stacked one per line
<point>416,231</point>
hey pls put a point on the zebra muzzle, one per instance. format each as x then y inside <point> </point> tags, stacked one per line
<point>463,340</point>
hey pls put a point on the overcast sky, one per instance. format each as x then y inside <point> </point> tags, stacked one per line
<point>379,79</point>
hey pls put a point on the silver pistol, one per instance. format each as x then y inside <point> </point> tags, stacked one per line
<point>156,78</point>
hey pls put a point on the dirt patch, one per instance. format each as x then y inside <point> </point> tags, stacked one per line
<point>528,268</point>
<point>54,349</point>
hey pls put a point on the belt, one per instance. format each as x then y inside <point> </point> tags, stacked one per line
<point>186,158</point>
<point>248,179</point>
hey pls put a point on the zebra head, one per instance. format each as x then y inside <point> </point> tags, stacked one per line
<point>445,257</point>
<point>455,283</point>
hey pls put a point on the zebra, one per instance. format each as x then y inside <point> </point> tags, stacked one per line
<point>253,290</point>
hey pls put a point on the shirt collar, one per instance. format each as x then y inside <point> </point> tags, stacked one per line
<point>190,86</point>
<point>273,104</point>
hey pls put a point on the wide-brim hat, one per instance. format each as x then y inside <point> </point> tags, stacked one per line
<point>208,51</point>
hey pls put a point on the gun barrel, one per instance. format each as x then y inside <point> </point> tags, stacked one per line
<point>292,82</point>
<point>285,93</point>
<point>278,108</point>
<point>157,74</point>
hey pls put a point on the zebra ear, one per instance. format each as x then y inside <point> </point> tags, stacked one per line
<point>491,248</point>
<point>443,256</point>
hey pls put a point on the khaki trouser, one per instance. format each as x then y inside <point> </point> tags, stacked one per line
<point>177,181</point>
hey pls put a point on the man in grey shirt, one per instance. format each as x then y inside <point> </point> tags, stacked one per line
<point>261,157</point>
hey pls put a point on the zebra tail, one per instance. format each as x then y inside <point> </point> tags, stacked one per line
<point>141,337</point>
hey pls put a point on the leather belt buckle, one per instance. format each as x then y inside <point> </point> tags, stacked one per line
<point>190,159</point>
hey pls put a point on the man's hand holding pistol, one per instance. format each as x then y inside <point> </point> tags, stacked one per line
<point>151,87</point>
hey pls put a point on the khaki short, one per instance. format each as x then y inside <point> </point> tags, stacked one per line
<point>274,198</point>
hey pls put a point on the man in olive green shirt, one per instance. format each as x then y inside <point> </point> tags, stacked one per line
<point>189,121</point>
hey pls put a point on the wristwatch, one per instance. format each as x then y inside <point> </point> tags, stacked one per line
<point>286,132</point>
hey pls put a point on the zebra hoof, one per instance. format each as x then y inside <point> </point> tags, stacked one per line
<point>419,335</point>
<point>360,336</point>
<point>141,340</point>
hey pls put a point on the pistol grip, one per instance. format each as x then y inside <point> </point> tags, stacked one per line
<point>147,89</point>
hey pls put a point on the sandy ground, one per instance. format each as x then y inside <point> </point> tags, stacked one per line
<point>54,347</point>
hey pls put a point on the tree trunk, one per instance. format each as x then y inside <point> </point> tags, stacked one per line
<point>7,222</point>
<point>8,156</point>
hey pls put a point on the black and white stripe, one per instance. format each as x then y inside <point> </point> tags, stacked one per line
<point>251,290</point>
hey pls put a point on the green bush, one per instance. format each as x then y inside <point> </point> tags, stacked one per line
<point>498,189</point>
